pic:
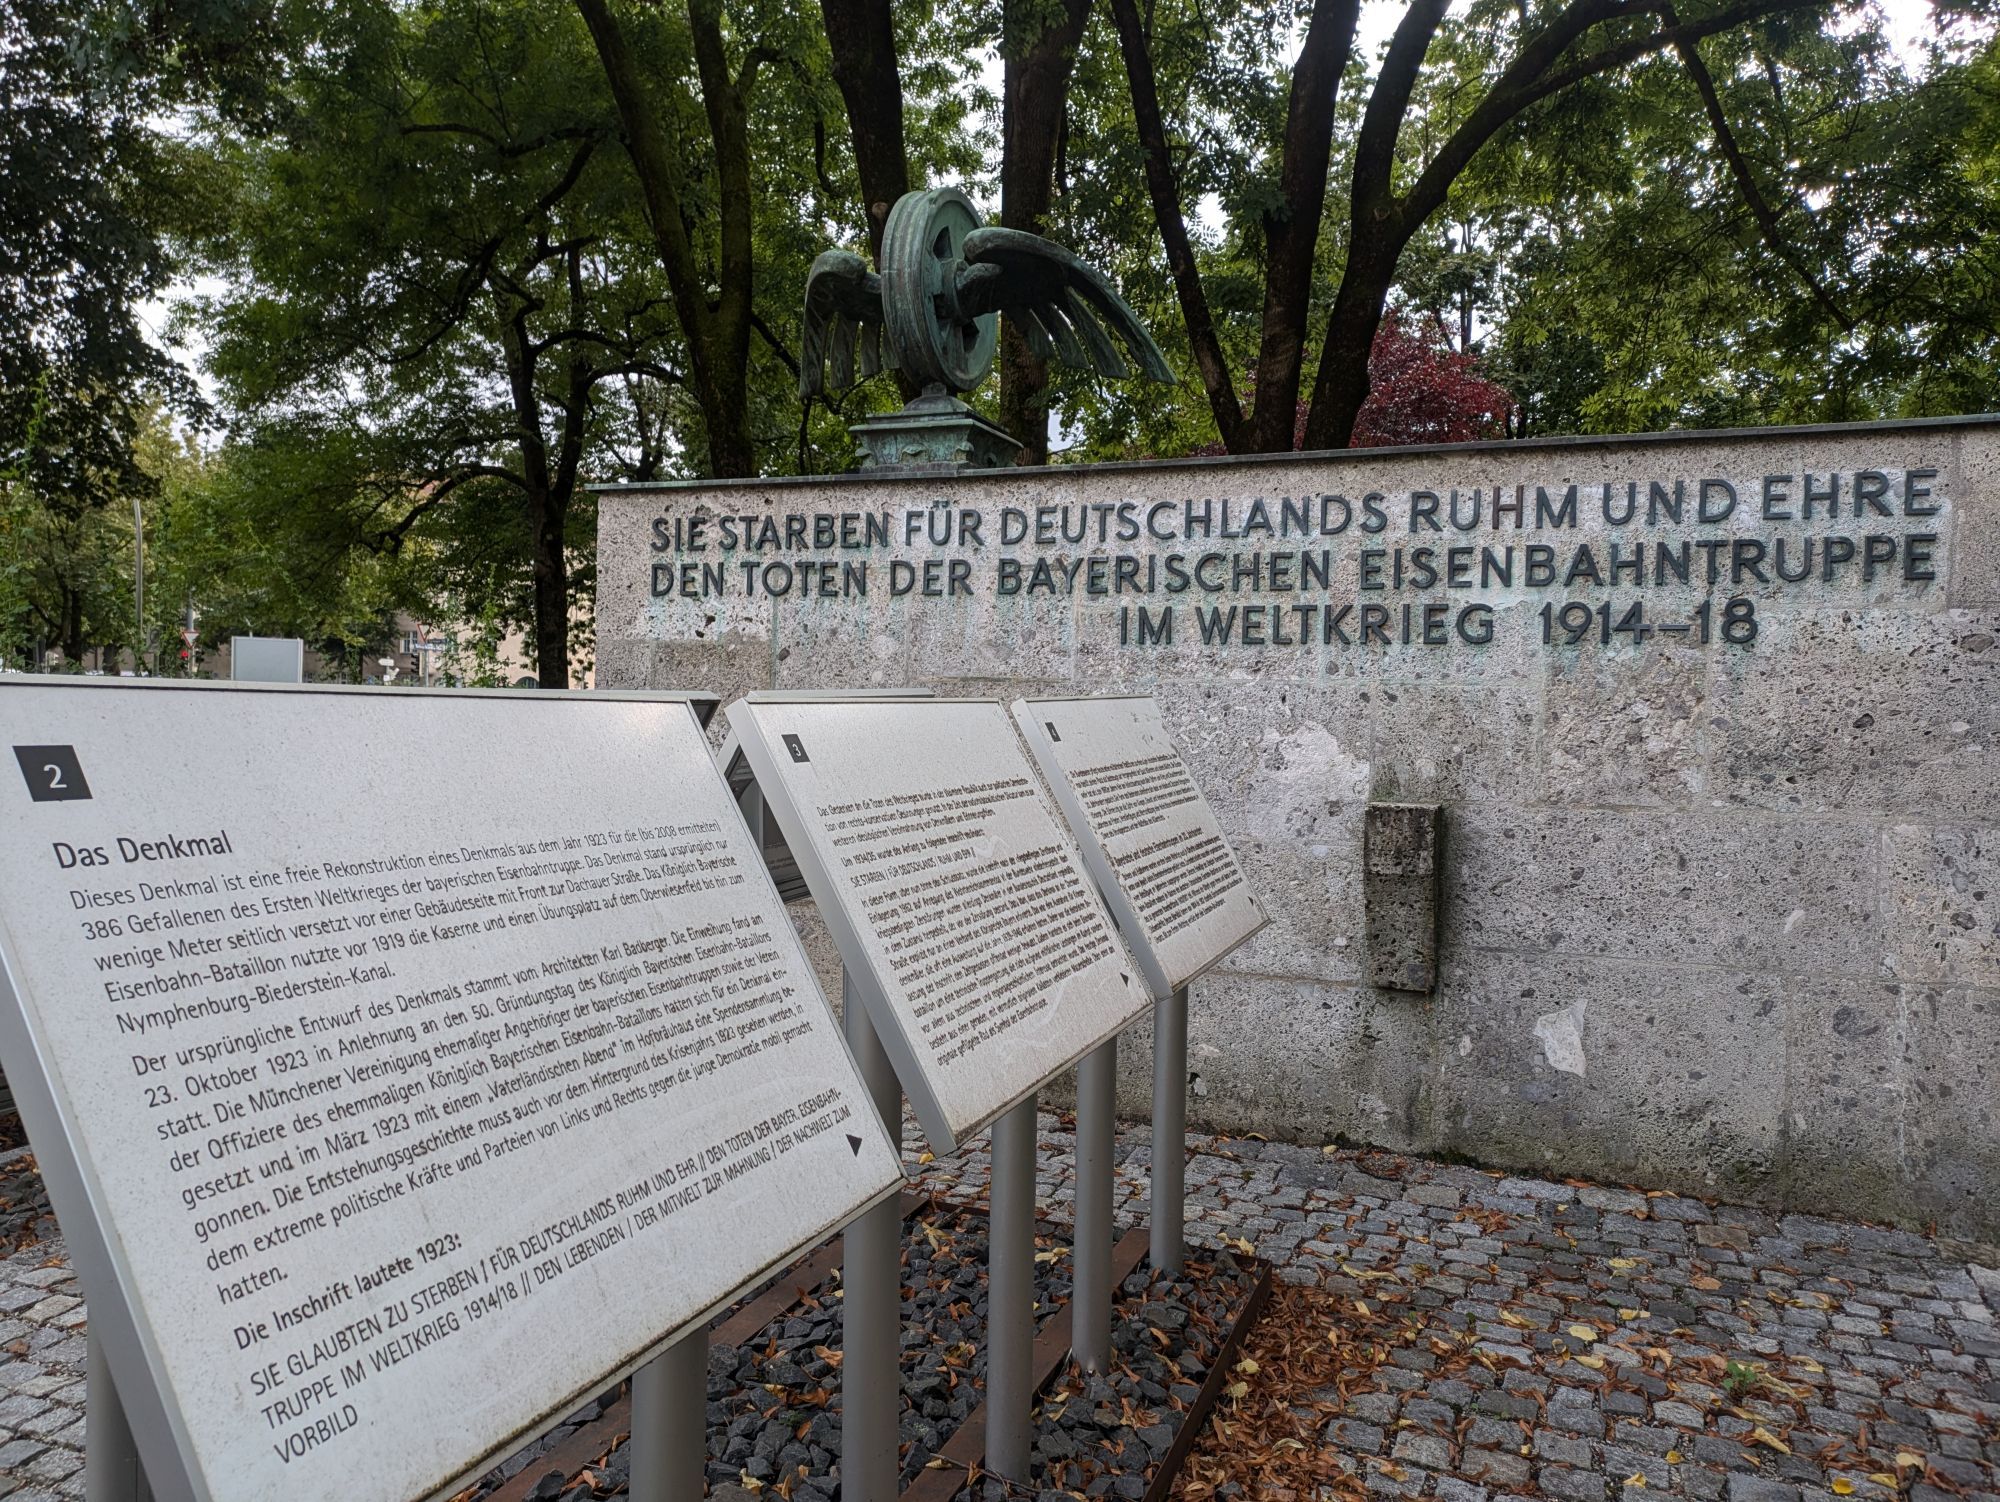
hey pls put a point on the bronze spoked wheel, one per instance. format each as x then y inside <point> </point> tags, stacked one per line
<point>920,257</point>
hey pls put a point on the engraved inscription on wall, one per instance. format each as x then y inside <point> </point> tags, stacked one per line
<point>1686,558</point>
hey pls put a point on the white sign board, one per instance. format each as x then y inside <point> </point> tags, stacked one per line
<point>961,908</point>
<point>385,1124</point>
<point>1149,836</point>
<point>267,659</point>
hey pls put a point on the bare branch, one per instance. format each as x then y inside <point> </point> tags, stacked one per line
<point>1746,183</point>
<point>1533,77</point>
<point>777,345</point>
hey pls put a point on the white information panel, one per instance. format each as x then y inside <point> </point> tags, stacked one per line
<point>388,1115</point>
<point>961,907</point>
<point>1149,836</point>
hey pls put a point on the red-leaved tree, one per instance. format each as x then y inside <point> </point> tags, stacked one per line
<point>1421,390</point>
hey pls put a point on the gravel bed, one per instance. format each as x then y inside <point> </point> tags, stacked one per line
<point>25,1217</point>
<point>1108,1435</point>
<point>774,1403</point>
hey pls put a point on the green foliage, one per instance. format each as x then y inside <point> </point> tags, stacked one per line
<point>437,308</point>
<point>1740,1379</point>
<point>440,298</point>
<point>91,185</point>
<point>1637,291</point>
<point>1599,252</point>
<point>218,538</point>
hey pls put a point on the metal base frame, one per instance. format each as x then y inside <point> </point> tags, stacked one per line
<point>670,1423</point>
<point>1010,1295</point>
<point>871,1318</point>
<point>1096,1139</point>
<point>1170,1023</point>
<point>112,1471</point>
<point>963,1452</point>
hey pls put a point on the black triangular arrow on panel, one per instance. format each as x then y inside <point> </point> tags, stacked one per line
<point>854,1143</point>
<point>1124,977</point>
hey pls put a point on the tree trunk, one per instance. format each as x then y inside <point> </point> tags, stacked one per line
<point>545,496</point>
<point>862,35</point>
<point>1341,386</point>
<point>547,514</point>
<point>718,338</point>
<point>1217,379</point>
<point>725,413</point>
<point>72,627</point>
<point>1291,228</point>
<point>1039,43</point>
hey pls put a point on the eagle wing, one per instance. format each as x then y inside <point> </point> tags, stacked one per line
<point>843,319</point>
<point>1062,307</point>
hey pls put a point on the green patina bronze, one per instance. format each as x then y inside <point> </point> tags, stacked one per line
<point>933,313</point>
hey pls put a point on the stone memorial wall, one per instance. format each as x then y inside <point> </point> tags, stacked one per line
<point>1710,720</point>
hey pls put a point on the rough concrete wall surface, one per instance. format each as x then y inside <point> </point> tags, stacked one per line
<point>1714,914</point>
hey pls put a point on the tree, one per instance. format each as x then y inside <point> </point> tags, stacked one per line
<point>743,183</point>
<point>1640,286</point>
<point>441,280</point>
<point>1421,390</point>
<point>65,574</point>
<point>1038,47</point>
<point>92,183</point>
<point>1493,73</point>
<point>717,327</point>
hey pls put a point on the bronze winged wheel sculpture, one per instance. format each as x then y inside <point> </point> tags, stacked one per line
<point>933,311</point>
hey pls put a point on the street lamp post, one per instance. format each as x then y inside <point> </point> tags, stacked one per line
<point>139,582</point>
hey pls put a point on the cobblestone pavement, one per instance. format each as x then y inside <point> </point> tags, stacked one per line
<point>1593,1344</point>
<point>42,1350</point>
<point>1545,1339</point>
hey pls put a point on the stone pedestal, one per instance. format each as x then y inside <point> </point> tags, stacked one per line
<point>935,431</point>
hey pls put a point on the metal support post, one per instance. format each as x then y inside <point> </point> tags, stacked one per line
<point>1169,1132</point>
<point>111,1468</point>
<point>670,1423</point>
<point>1096,1135</point>
<point>1010,1295</point>
<point>872,1296</point>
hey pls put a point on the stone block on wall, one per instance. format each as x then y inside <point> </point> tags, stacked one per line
<point>1400,887</point>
